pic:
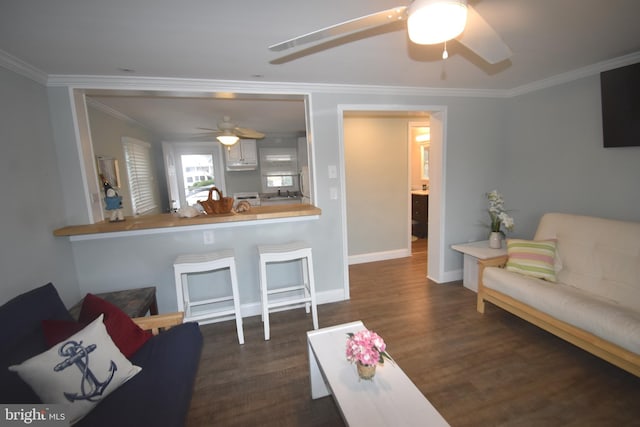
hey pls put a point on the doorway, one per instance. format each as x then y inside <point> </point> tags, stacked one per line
<point>437,115</point>
<point>419,143</point>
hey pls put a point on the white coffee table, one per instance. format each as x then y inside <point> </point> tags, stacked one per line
<point>390,399</point>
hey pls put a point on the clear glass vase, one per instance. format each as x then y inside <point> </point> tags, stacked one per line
<point>366,372</point>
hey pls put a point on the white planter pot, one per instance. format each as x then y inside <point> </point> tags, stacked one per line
<point>495,240</point>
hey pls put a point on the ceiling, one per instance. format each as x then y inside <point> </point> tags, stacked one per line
<point>228,40</point>
<point>173,117</point>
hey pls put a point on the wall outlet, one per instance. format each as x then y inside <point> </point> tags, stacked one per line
<point>333,193</point>
<point>208,237</point>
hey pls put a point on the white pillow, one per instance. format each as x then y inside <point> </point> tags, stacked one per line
<point>79,371</point>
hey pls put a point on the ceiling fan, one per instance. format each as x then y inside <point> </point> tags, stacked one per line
<point>428,22</point>
<point>228,133</point>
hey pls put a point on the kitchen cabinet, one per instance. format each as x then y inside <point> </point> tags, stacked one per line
<point>279,161</point>
<point>419,214</point>
<point>242,155</point>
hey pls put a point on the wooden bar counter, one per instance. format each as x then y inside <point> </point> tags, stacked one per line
<point>163,223</point>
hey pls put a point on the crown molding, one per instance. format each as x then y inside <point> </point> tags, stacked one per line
<point>240,86</point>
<point>580,73</point>
<point>22,68</point>
<point>91,102</point>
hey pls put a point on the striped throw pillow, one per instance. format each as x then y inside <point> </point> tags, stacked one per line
<point>532,258</point>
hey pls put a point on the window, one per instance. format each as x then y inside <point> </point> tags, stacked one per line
<point>137,156</point>
<point>279,181</point>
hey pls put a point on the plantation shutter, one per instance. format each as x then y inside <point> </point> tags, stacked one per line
<point>137,155</point>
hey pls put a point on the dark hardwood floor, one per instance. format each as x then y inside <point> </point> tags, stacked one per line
<point>477,370</point>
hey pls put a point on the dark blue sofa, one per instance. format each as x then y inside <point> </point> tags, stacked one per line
<point>159,395</point>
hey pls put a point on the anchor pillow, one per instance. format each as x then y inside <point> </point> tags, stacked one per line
<point>79,371</point>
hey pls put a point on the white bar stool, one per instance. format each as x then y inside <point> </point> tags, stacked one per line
<point>294,251</point>
<point>197,310</point>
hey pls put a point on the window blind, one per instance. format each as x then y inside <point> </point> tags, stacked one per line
<point>137,156</point>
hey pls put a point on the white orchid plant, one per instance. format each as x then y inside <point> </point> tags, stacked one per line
<point>498,214</point>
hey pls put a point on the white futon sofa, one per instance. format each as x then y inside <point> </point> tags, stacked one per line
<point>594,299</point>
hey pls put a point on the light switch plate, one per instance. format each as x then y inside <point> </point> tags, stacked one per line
<point>333,171</point>
<point>208,237</point>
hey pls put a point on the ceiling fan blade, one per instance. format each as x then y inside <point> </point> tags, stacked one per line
<point>202,136</point>
<point>209,129</point>
<point>248,133</point>
<point>345,28</point>
<point>482,39</point>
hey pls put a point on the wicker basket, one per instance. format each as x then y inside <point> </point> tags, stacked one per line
<point>221,206</point>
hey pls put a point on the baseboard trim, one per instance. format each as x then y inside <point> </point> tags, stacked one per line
<point>379,256</point>
<point>448,276</point>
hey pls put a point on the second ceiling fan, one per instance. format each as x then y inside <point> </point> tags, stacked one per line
<point>428,22</point>
<point>228,133</point>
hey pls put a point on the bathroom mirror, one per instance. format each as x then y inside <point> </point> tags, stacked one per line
<point>424,156</point>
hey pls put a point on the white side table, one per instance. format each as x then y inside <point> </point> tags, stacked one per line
<point>472,253</point>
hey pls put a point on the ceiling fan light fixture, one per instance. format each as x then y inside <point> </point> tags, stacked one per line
<point>436,21</point>
<point>227,138</point>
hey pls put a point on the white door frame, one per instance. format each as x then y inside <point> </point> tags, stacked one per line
<point>437,154</point>
<point>172,150</point>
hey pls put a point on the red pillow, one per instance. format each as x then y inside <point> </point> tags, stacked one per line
<point>56,331</point>
<point>124,332</point>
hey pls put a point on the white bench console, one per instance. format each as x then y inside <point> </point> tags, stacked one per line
<point>389,399</point>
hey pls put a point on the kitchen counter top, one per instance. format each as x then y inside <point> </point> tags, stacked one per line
<point>150,224</point>
<point>420,192</point>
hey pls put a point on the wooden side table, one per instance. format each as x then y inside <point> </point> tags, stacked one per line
<point>472,253</point>
<point>134,302</point>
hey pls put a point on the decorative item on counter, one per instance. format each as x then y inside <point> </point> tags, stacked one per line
<point>367,350</point>
<point>499,218</point>
<point>112,201</point>
<point>221,206</point>
<point>243,206</point>
<point>188,212</point>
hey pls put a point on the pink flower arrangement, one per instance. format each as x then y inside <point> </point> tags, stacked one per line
<point>366,347</point>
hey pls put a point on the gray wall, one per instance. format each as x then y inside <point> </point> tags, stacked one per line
<point>106,138</point>
<point>376,173</point>
<point>30,255</point>
<point>473,160</point>
<point>555,162</point>
<point>542,150</point>
<point>474,133</point>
